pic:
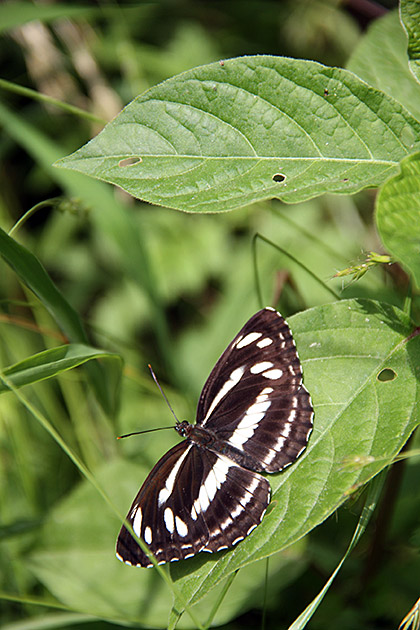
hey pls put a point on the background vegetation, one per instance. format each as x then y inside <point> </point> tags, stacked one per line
<point>153,285</point>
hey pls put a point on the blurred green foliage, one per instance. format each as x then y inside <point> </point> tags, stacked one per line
<point>171,289</point>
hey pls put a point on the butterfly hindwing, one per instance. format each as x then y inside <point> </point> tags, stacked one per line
<point>209,504</point>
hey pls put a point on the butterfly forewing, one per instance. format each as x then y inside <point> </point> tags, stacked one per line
<point>254,397</point>
<point>254,415</point>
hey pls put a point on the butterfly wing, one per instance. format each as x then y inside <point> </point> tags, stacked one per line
<point>254,397</point>
<point>193,500</point>
<point>198,499</point>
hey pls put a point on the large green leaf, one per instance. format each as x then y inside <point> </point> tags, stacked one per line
<point>54,361</point>
<point>398,215</point>
<point>239,131</point>
<point>361,422</point>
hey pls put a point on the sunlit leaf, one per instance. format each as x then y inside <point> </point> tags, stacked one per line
<point>242,130</point>
<point>53,362</point>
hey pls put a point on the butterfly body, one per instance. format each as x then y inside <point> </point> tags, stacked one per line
<point>254,415</point>
<point>209,440</point>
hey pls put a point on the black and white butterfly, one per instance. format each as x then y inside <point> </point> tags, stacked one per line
<point>254,416</point>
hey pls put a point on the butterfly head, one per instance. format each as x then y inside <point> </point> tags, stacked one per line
<point>183,428</point>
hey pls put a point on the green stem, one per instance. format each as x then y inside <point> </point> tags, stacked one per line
<point>39,206</point>
<point>220,599</point>
<point>293,259</point>
<point>43,98</point>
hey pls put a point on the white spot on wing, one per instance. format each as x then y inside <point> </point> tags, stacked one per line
<point>274,375</point>
<point>148,535</point>
<point>233,380</point>
<point>237,510</point>
<point>137,522</point>
<point>212,483</point>
<point>260,367</point>
<point>265,392</point>
<point>168,517</point>
<point>249,492</point>
<point>202,503</point>
<point>270,456</point>
<point>249,423</point>
<point>279,443</point>
<point>248,339</point>
<point>181,527</point>
<point>264,342</point>
<point>221,468</point>
<point>226,522</point>
<point>286,430</point>
<point>166,491</point>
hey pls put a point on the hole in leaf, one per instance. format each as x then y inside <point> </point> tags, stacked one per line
<point>130,161</point>
<point>326,92</point>
<point>279,177</point>
<point>386,375</point>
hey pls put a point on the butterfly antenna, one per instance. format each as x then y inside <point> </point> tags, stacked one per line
<point>120,437</point>
<point>162,392</point>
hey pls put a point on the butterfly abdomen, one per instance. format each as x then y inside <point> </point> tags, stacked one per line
<point>209,440</point>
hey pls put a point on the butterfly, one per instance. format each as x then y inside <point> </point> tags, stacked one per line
<point>254,415</point>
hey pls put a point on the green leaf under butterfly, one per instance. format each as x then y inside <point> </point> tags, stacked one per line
<point>398,216</point>
<point>232,133</point>
<point>361,422</point>
<point>53,362</point>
